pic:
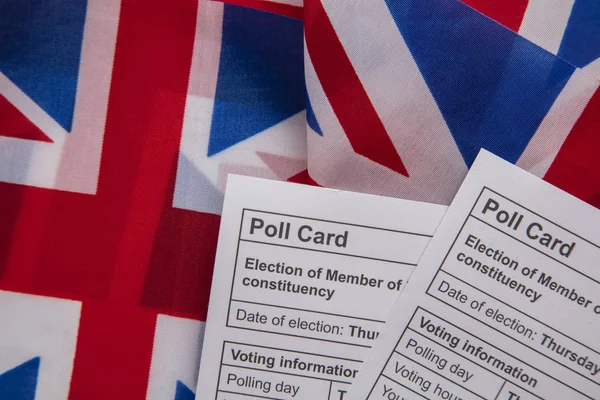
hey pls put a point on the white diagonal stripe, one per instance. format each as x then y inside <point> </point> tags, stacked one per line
<point>545,21</point>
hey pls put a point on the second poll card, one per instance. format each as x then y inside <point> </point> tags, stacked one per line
<point>505,303</point>
<point>304,280</point>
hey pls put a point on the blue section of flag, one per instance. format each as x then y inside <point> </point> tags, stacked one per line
<point>40,52</point>
<point>182,392</point>
<point>20,382</point>
<point>311,118</point>
<point>492,86</point>
<point>261,75</point>
<point>581,41</point>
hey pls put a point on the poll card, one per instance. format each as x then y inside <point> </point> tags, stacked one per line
<point>304,280</point>
<point>505,303</point>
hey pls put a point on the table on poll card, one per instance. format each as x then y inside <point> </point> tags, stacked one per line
<point>304,280</point>
<point>504,304</point>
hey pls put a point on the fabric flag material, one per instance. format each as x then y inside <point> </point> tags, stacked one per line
<point>55,71</point>
<point>289,8</point>
<point>103,284</point>
<point>120,120</point>
<point>435,81</point>
<point>250,123</point>
<point>568,28</point>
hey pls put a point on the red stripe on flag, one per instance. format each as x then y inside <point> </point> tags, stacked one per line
<point>509,13</point>
<point>100,246</point>
<point>576,168</point>
<point>110,245</point>
<point>303,177</point>
<point>22,233</point>
<point>180,271</point>
<point>121,242</point>
<point>113,353</point>
<point>286,10</point>
<point>345,92</point>
<point>152,66</point>
<point>15,124</point>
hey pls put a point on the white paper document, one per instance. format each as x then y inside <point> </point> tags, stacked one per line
<point>304,280</point>
<point>505,303</point>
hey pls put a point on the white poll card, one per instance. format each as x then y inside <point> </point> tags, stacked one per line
<point>304,279</point>
<point>505,303</point>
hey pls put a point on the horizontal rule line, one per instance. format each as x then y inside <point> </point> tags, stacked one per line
<point>254,396</point>
<point>298,336</point>
<point>270,371</point>
<point>308,311</point>
<point>328,252</point>
<point>292,351</point>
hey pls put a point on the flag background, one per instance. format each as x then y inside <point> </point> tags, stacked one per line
<point>119,121</point>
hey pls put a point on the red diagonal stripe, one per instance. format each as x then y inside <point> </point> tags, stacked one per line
<point>509,13</point>
<point>15,124</point>
<point>576,168</point>
<point>345,92</point>
<point>286,10</point>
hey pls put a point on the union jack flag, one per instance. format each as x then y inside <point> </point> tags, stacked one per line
<point>120,119</point>
<point>448,81</point>
<point>409,101</point>
<point>103,284</point>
